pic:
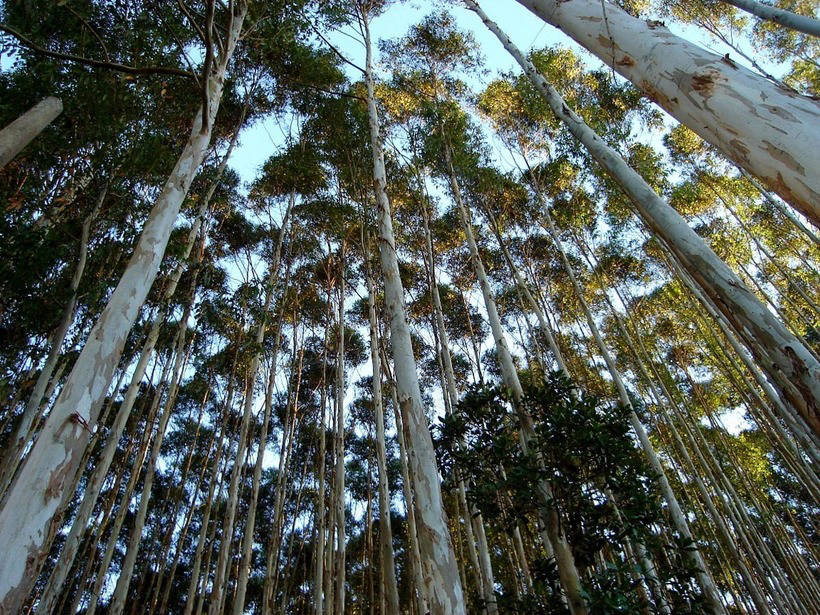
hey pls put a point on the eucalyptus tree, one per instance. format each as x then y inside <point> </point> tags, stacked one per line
<point>788,361</point>
<point>443,586</point>
<point>704,99</point>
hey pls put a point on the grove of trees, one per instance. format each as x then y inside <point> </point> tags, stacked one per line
<point>471,339</point>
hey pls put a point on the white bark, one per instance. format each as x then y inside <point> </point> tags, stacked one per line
<point>247,538</point>
<point>18,134</point>
<point>783,17</point>
<point>387,563</point>
<point>675,511</point>
<point>767,130</point>
<point>555,538</point>
<point>791,365</point>
<point>34,499</point>
<point>31,414</point>
<point>443,586</point>
<point>117,605</point>
<point>339,448</point>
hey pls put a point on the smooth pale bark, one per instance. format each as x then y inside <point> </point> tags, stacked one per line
<point>675,511</point>
<point>14,454</point>
<point>769,131</point>
<point>102,570</point>
<point>18,134</point>
<point>214,488</point>
<point>443,586</point>
<point>387,563</point>
<point>27,520</point>
<point>217,594</point>
<point>414,553</point>
<point>247,538</point>
<point>790,364</point>
<point>477,547</point>
<point>319,547</point>
<point>95,483</point>
<point>780,16</point>
<point>339,447</point>
<point>117,605</point>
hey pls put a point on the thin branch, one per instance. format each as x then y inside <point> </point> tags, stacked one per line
<point>334,50</point>
<point>122,68</point>
<point>191,19</point>
<point>93,32</point>
<point>209,57</point>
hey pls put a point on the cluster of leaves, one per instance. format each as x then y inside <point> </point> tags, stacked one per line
<point>600,481</point>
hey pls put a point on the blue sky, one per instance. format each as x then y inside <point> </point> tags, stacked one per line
<point>261,140</point>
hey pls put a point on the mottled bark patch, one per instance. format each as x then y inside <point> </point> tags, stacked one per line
<point>704,83</point>
<point>656,95</point>
<point>625,61</point>
<point>56,480</point>
<point>784,157</point>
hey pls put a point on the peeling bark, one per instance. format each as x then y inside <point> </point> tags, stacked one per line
<point>28,518</point>
<point>769,131</point>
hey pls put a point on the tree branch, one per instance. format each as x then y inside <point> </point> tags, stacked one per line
<point>122,68</point>
<point>209,57</point>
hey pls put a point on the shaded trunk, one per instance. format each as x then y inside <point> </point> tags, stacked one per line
<point>27,522</point>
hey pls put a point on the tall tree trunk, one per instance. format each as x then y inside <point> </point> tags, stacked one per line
<point>386,564</point>
<point>780,16</point>
<point>31,414</point>
<point>765,129</point>
<point>677,514</point>
<point>339,447</point>
<point>442,583</point>
<point>18,134</point>
<point>791,365</point>
<point>92,490</point>
<point>247,538</point>
<point>568,572</point>
<point>117,605</point>
<point>28,520</point>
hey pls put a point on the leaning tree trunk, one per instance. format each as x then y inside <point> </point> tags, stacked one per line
<point>678,517</point>
<point>32,504</point>
<point>92,489</point>
<point>567,571</point>
<point>780,16</point>
<point>117,605</point>
<point>769,131</point>
<point>387,563</point>
<point>443,586</point>
<point>25,128</point>
<point>14,455</point>
<point>791,365</point>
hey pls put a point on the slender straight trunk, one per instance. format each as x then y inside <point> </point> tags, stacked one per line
<point>780,16</point>
<point>339,447</point>
<point>413,551</point>
<point>442,583</point>
<point>767,130</point>
<point>387,565</point>
<point>189,515</point>
<point>568,572</point>
<point>92,490</point>
<point>214,487</point>
<point>18,134</point>
<point>220,579</point>
<point>27,522</point>
<point>31,415</point>
<point>123,581</point>
<point>791,365</point>
<point>319,548</point>
<point>678,517</point>
<point>247,538</point>
<point>102,570</point>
